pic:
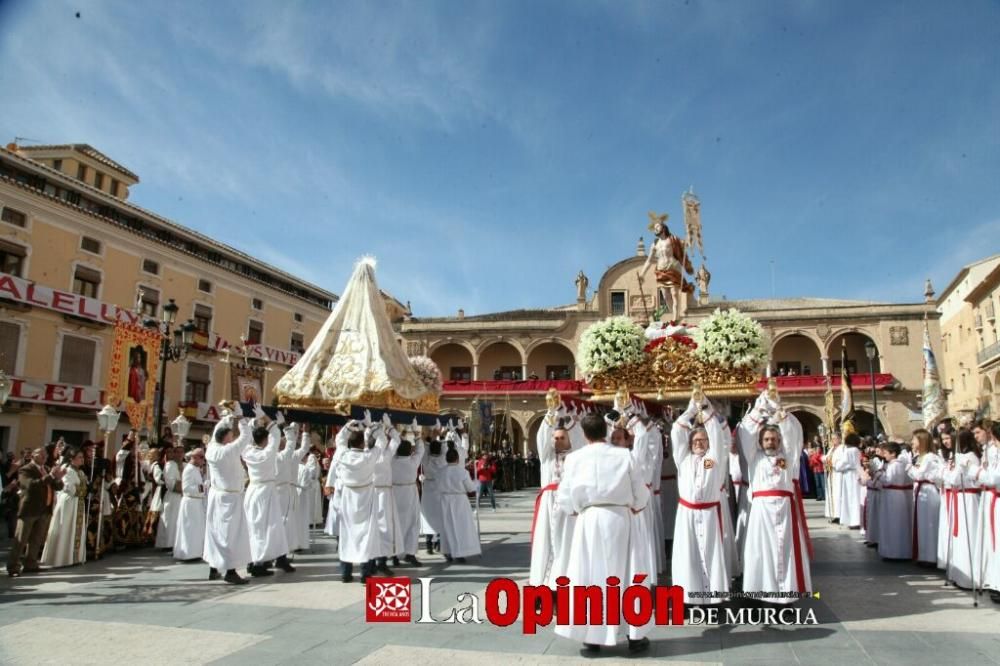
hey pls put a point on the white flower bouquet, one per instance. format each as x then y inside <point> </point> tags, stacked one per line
<point>731,339</point>
<point>610,344</point>
<point>429,373</point>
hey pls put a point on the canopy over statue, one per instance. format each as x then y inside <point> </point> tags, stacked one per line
<point>355,359</point>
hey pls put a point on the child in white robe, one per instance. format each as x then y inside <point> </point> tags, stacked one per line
<point>895,540</point>
<point>459,536</point>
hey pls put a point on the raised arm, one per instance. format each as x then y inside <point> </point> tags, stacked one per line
<point>680,432</point>
<point>791,435</point>
<point>543,441</point>
<point>640,493</point>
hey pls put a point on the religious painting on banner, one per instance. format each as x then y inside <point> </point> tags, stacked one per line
<point>248,383</point>
<point>135,361</point>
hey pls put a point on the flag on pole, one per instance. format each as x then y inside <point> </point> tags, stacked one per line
<point>846,391</point>
<point>933,401</point>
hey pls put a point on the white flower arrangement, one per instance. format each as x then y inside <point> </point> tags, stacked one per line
<point>610,344</point>
<point>731,339</point>
<point>429,373</point>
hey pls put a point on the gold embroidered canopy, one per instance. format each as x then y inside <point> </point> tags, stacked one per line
<point>355,360</point>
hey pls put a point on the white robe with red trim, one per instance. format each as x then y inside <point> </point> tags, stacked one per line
<point>963,527</point>
<point>990,479</point>
<point>552,529</point>
<point>699,550</point>
<point>926,505</point>
<point>776,558</point>
<point>895,505</point>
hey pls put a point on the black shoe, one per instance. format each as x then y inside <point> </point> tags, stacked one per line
<point>448,558</point>
<point>385,570</point>
<point>213,574</point>
<point>395,561</point>
<point>347,578</point>
<point>461,560</point>
<point>258,571</point>
<point>412,560</point>
<point>283,564</point>
<point>995,597</point>
<point>234,578</point>
<point>640,645</point>
<point>591,648</point>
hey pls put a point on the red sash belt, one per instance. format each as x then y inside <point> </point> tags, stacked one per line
<point>705,505</point>
<point>799,572</point>
<point>538,505</point>
<point>802,513</point>
<point>953,504</point>
<point>916,529</point>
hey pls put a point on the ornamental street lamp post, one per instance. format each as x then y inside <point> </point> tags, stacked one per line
<point>6,385</point>
<point>180,427</point>
<point>176,342</point>
<point>107,421</point>
<point>871,352</point>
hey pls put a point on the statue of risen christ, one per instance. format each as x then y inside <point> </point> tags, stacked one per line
<point>668,251</point>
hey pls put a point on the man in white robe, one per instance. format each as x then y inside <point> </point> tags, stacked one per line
<point>601,485</point>
<point>405,464</point>
<point>190,541</point>
<point>432,465</point>
<point>308,480</point>
<point>166,531</point>
<point>654,444</point>
<point>358,531</point>
<point>261,502</point>
<point>831,506</point>
<point>699,559</point>
<point>668,498</point>
<point>741,486</point>
<point>895,506</point>
<point>390,540</point>
<point>847,465</point>
<point>227,537</point>
<point>459,535</point>
<point>551,528</point>
<point>776,558</point>
<point>289,453</point>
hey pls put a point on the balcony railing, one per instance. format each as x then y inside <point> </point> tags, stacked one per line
<point>990,312</point>
<point>988,354</point>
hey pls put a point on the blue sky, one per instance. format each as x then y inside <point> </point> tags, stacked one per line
<point>486,152</point>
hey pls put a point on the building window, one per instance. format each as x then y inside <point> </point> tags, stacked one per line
<point>255,333</point>
<point>57,165</point>
<point>86,281</point>
<point>91,245</point>
<point>114,187</point>
<point>150,266</point>
<point>205,286</point>
<point>297,317</point>
<point>81,172</point>
<point>150,302</point>
<point>76,364</point>
<point>460,374</point>
<point>617,302</point>
<point>15,217</point>
<point>203,318</point>
<point>99,180</point>
<point>512,372</point>
<point>558,372</point>
<point>257,304</point>
<point>12,259</point>
<point>298,344</point>
<point>198,382</point>
<point>10,340</point>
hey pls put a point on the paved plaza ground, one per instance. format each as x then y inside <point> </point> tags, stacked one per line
<point>140,607</point>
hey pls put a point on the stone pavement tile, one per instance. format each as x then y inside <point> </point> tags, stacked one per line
<point>87,642</point>
<point>331,652</point>
<point>817,655</point>
<point>693,650</point>
<point>311,595</point>
<point>896,657</point>
<point>392,654</point>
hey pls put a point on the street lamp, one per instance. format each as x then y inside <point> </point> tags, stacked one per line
<point>6,385</point>
<point>180,427</point>
<point>173,349</point>
<point>107,421</point>
<point>871,352</point>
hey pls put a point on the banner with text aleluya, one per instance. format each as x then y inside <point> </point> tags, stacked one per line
<point>30,293</point>
<point>135,363</point>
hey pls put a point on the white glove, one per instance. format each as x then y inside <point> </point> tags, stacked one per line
<point>451,424</point>
<point>367,420</point>
<point>280,418</point>
<point>461,424</point>
<point>258,411</point>
<point>385,420</point>
<point>416,426</point>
